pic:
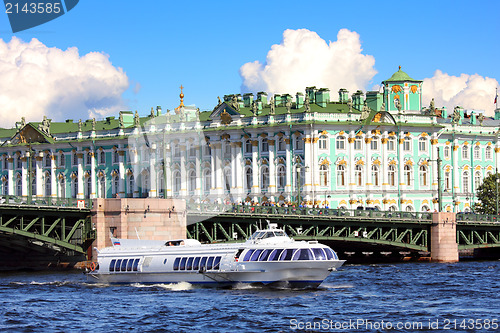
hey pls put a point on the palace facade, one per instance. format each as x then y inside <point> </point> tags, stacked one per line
<point>374,149</point>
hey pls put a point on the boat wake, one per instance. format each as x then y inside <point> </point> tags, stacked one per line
<point>180,286</point>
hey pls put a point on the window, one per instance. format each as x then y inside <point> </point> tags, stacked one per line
<point>488,153</point>
<point>357,143</point>
<point>227,179</point>
<point>177,150</point>
<point>281,144</point>
<point>465,182</point>
<point>48,185</point>
<point>116,184</point>
<point>358,175</point>
<point>102,187</point>
<point>392,175</point>
<point>465,152</point>
<point>374,144</point>
<point>281,176</point>
<point>47,160</point>
<point>102,157</point>
<point>423,175</point>
<point>161,184</point>
<point>323,140</point>
<point>19,187</point>
<point>207,180</point>
<point>192,150</point>
<point>477,179</point>
<point>391,144</point>
<point>341,175</point>
<point>477,153</point>
<point>422,145</point>
<point>75,159</point>
<point>20,162</point>
<point>340,142</point>
<point>265,177</point>
<point>264,147</point>
<point>116,157</point>
<point>299,143</point>
<point>192,180</point>
<point>447,181</point>
<point>248,146</point>
<point>207,150</point>
<point>447,152</point>
<point>323,175</point>
<point>407,175</point>
<point>74,187</point>
<point>227,149</point>
<point>62,188</point>
<point>130,189</point>
<point>407,144</point>
<point>375,175</point>
<point>6,187</point>
<point>177,181</point>
<point>248,179</point>
<point>88,160</point>
<point>88,187</point>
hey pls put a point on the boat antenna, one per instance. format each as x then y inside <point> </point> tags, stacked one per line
<point>137,233</point>
<point>268,224</point>
<point>260,224</point>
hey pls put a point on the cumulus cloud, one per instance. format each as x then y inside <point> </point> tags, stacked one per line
<point>37,80</point>
<point>304,59</point>
<point>473,92</point>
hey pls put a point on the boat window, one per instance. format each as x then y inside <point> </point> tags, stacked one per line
<point>112,265</point>
<point>203,263</point>
<point>279,233</point>
<point>330,254</point>
<point>196,263</point>
<point>275,255</point>
<point>319,254</point>
<point>124,265</point>
<point>210,263</point>
<point>118,264</point>
<point>217,263</point>
<point>189,265</point>
<point>176,264</point>
<point>265,254</point>
<point>287,254</point>
<point>268,234</point>
<point>303,254</point>
<point>247,255</point>
<point>129,265</point>
<point>182,266</point>
<point>255,255</point>
<point>136,265</point>
<point>256,235</point>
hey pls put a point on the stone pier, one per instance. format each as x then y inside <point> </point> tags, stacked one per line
<point>150,218</point>
<point>444,247</point>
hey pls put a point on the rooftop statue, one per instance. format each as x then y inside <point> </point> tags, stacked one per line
<point>93,122</point>
<point>220,102</point>
<point>456,115</point>
<point>365,113</point>
<point>254,108</point>
<point>122,125</point>
<point>136,119</point>
<point>45,125</point>
<point>349,105</point>
<point>481,119</point>
<point>234,103</point>
<point>79,125</point>
<point>307,107</point>
<point>23,122</point>
<point>288,105</point>
<point>271,104</point>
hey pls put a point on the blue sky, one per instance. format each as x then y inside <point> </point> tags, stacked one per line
<point>202,45</point>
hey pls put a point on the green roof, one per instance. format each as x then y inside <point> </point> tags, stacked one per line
<point>400,76</point>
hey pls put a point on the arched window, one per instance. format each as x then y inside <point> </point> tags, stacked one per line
<point>161,184</point>
<point>248,179</point>
<point>407,144</point>
<point>130,187</point>
<point>116,157</point>
<point>487,154</point>
<point>248,146</point>
<point>19,187</point>
<point>88,158</point>
<point>207,180</point>
<point>391,172</point>
<point>409,208</point>
<point>425,208</point>
<point>33,187</point>
<point>6,187</point>
<point>465,152</point>
<point>265,178</point>
<point>324,174</point>
<point>102,158</point>
<point>391,143</point>
<point>62,160</point>
<point>407,172</point>
<point>48,185</point>
<point>47,160</point>
<point>358,141</point>
<point>177,150</point>
<point>358,175</point>
<point>299,143</point>
<point>340,141</point>
<point>477,180</point>
<point>192,180</point>
<point>62,188</point>
<point>281,176</point>
<point>75,159</point>
<point>227,180</point>
<point>374,143</point>
<point>102,187</point>
<point>116,185</point>
<point>375,175</point>
<point>341,176</point>
<point>422,145</point>
<point>281,144</point>
<point>423,175</point>
<point>177,181</point>
<point>447,152</point>
<point>227,149</point>
<point>88,187</point>
<point>447,181</point>
<point>477,153</point>
<point>465,182</point>
<point>74,187</point>
<point>264,147</point>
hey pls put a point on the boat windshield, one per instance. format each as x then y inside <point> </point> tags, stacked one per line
<point>267,234</point>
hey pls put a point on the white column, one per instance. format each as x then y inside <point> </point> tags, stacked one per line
<point>11,179</point>
<point>255,168</point>
<point>401,161</point>
<point>183,192</point>
<point>351,165</point>
<point>93,176</point>
<point>198,190</point>
<point>314,164</point>
<point>39,175</point>
<point>383,164</point>
<point>288,163</point>
<point>53,176</point>
<point>121,171</point>
<point>456,170</point>
<point>80,194</point>
<point>307,162</point>
<point>272,168</point>
<point>433,169</point>
<point>24,175</point>
<point>368,163</point>
<point>213,167</point>
<point>239,170</point>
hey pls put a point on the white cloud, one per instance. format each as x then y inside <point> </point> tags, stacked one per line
<point>304,59</point>
<point>469,91</point>
<point>36,80</point>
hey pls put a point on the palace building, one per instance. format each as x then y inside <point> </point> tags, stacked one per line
<point>375,149</point>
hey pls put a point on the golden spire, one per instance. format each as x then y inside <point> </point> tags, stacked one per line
<point>182,97</point>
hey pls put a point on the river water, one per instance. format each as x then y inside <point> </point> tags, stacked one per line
<point>403,297</point>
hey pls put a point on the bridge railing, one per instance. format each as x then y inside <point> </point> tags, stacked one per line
<point>304,211</point>
<point>45,201</point>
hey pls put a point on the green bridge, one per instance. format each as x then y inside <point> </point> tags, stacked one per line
<point>44,232</point>
<point>347,229</point>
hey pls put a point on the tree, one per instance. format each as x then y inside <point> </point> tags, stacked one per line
<point>488,195</point>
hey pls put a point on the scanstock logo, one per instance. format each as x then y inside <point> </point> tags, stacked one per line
<point>26,14</point>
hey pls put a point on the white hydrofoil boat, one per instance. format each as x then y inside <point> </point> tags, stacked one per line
<point>268,257</point>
